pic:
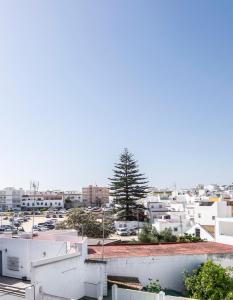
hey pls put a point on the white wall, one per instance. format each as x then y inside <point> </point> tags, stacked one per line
<point>206,215</point>
<point>168,270</point>
<point>177,228</point>
<point>62,277</point>
<point>28,251</point>
<point>68,276</point>
<point>203,233</point>
<point>224,231</point>
<point>126,294</point>
<point>128,224</point>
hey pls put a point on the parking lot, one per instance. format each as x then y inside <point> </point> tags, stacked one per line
<point>27,226</point>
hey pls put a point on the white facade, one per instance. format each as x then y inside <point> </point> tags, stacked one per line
<point>10,198</point>
<point>156,209</point>
<point>176,221</point>
<point>56,264</point>
<point>72,199</point>
<point>42,201</point>
<point>128,224</point>
<point>206,212</point>
<point>168,269</point>
<point>199,231</point>
<point>224,230</point>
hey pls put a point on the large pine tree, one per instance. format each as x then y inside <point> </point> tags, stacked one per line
<point>127,185</point>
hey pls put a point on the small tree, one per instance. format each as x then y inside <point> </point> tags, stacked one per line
<point>189,238</point>
<point>153,286</point>
<point>127,186</point>
<point>149,234</point>
<point>166,236</point>
<point>209,282</point>
<point>86,224</point>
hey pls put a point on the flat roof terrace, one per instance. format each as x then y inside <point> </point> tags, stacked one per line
<point>132,250</point>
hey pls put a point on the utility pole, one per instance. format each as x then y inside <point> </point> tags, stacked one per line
<point>34,187</point>
<point>138,220</point>
<point>181,226</point>
<point>103,220</point>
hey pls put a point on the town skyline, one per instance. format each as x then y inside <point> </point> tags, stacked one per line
<point>80,82</point>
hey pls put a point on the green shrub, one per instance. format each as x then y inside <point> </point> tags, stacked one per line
<point>210,282</point>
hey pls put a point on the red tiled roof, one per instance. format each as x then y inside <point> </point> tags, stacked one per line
<point>124,250</point>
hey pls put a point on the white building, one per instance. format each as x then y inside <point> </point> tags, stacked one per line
<point>206,212</point>
<point>205,232</point>
<point>176,221</point>
<point>165,262</point>
<point>156,209</point>
<point>49,266</point>
<point>73,199</point>
<point>10,198</point>
<point>41,200</point>
<point>224,230</point>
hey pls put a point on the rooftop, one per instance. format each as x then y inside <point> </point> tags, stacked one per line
<point>54,235</point>
<point>129,250</point>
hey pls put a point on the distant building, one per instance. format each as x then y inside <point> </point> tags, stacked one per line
<point>10,198</point>
<point>73,199</point>
<point>42,201</point>
<point>205,232</point>
<point>224,231</point>
<point>95,195</point>
<point>206,212</point>
<point>155,209</point>
<point>176,221</point>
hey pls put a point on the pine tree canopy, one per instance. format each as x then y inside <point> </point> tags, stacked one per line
<point>127,185</point>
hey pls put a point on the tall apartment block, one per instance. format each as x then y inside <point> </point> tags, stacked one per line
<point>95,195</point>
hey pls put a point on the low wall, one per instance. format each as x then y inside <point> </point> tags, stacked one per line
<point>60,277</point>
<point>126,294</point>
<point>68,277</point>
<point>169,270</point>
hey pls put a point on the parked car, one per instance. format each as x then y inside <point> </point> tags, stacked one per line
<point>133,231</point>
<point>50,226</point>
<point>122,231</point>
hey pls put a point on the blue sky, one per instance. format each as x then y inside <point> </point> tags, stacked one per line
<point>81,80</point>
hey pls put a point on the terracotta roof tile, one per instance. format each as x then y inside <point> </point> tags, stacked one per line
<point>126,250</point>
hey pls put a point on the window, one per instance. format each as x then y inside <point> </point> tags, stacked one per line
<point>175,229</point>
<point>45,204</point>
<point>213,217</point>
<point>197,232</point>
<point>199,216</point>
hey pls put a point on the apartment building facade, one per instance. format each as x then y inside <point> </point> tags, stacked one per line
<point>95,195</point>
<point>10,198</point>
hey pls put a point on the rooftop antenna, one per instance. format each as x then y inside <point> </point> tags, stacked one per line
<point>34,186</point>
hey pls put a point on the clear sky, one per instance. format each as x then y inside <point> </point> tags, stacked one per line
<point>80,80</point>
